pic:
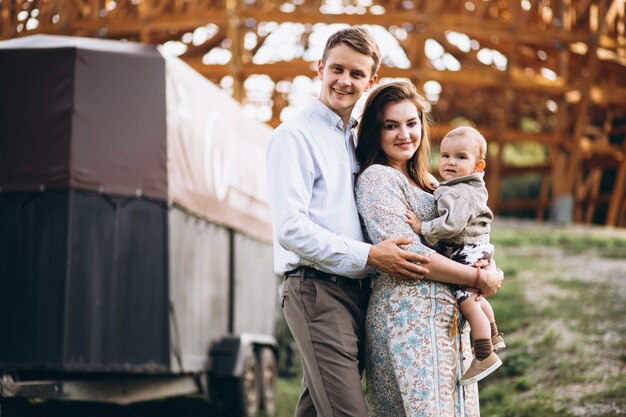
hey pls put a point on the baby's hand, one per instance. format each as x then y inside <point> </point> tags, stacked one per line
<point>412,219</point>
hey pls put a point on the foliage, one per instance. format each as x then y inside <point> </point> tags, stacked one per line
<point>525,154</point>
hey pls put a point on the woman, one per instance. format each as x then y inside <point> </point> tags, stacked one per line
<point>414,357</point>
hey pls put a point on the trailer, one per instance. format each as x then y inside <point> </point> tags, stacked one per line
<point>135,241</point>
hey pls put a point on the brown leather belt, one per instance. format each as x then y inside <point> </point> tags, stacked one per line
<point>308,272</point>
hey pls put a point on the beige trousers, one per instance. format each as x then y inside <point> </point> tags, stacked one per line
<point>327,321</point>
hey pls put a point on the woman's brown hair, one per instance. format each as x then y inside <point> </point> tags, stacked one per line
<point>369,151</point>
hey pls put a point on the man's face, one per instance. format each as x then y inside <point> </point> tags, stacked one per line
<point>345,75</point>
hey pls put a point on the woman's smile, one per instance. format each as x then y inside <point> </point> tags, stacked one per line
<point>404,144</point>
<point>401,134</point>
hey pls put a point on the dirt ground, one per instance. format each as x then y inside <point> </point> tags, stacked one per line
<point>591,335</point>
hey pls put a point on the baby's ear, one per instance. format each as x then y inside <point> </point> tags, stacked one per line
<point>480,166</point>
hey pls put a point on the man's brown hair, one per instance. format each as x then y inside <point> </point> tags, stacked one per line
<point>357,38</point>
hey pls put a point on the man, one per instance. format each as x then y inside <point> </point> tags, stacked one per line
<point>318,242</point>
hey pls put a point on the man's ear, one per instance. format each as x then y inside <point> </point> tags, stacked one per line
<point>371,82</point>
<point>480,166</point>
<point>320,69</point>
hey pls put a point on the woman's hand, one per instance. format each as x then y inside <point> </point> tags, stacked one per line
<point>490,279</point>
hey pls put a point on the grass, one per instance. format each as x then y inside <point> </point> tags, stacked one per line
<point>573,241</point>
<point>564,328</point>
<point>288,392</point>
<point>561,347</point>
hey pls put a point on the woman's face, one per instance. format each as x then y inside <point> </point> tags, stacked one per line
<point>401,134</point>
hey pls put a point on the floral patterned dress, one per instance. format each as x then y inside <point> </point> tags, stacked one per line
<point>413,362</point>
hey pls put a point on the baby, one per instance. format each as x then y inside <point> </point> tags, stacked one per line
<point>461,232</point>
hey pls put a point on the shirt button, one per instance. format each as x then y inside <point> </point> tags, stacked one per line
<point>355,266</point>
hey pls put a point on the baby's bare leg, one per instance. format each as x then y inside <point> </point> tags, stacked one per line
<point>476,317</point>
<point>486,307</point>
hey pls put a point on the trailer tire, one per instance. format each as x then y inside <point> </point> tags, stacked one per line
<point>240,395</point>
<point>267,375</point>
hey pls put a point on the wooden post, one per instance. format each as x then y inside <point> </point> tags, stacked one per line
<point>617,196</point>
<point>560,208</point>
<point>595,176</point>
<point>145,11</point>
<point>581,120</point>
<point>544,198</point>
<point>233,32</point>
<point>503,106</point>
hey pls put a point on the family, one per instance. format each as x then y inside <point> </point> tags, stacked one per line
<point>382,265</point>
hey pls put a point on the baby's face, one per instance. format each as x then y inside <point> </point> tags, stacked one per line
<point>458,156</point>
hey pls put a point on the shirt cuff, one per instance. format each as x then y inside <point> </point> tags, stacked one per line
<point>360,251</point>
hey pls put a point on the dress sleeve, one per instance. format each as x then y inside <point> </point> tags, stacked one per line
<point>454,212</point>
<point>381,197</point>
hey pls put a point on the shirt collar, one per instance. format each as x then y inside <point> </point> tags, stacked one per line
<point>318,108</point>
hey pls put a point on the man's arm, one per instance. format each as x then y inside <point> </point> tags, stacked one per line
<point>291,176</point>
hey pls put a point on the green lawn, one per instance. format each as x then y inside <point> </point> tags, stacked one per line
<point>562,308</point>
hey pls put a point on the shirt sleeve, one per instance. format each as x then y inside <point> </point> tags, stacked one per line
<point>455,213</point>
<point>382,201</point>
<point>291,177</point>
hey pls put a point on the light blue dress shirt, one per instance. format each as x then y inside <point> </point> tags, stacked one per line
<point>311,169</point>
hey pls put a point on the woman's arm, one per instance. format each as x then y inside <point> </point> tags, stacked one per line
<point>382,202</point>
<point>487,280</point>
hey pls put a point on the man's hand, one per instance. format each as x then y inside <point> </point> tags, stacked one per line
<point>389,258</point>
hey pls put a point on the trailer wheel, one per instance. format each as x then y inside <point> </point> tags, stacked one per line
<point>268,373</point>
<point>241,395</point>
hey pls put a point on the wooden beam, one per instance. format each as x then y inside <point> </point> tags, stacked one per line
<point>478,78</point>
<point>440,23</point>
<point>514,205</point>
<point>508,136</point>
<point>606,95</point>
<point>115,27</point>
<point>154,20</point>
<point>157,17</point>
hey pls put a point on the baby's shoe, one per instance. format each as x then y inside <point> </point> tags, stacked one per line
<point>498,342</point>
<point>480,369</point>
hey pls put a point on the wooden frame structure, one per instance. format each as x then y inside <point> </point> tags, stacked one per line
<point>561,88</point>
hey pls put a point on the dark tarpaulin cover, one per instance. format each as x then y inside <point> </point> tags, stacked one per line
<point>83,283</point>
<point>82,114</point>
<point>87,269</point>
